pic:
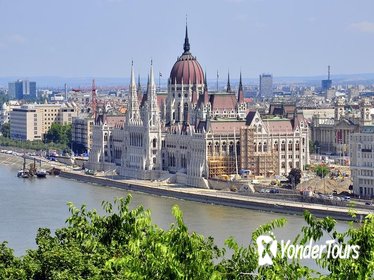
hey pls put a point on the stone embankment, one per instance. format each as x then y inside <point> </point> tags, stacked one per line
<point>219,197</point>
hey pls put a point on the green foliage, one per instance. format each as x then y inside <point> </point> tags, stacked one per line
<point>313,146</point>
<point>30,145</point>
<point>294,176</point>
<point>321,170</point>
<point>60,134</point>
<point>3,98</point>
<point>5,130</point>
<point>125,244</point>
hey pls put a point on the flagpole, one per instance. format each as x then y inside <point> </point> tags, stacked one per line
<point>159,81</point>
<point>217,80</point>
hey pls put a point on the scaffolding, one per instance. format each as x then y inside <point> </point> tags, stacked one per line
<point>220,167</point>
<point>260,163</point>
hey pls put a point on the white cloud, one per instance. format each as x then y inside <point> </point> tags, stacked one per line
<point>363,26</point>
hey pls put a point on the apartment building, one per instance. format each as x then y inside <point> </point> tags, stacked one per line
<point>81,132</point>
<point>362,162</point>
<point>32,121</point>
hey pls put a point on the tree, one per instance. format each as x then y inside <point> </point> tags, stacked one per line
<point>125,244</point>
<point>5,130</point>
<point>58,133</point>
<point>322,170</point>
<point>294,176</point>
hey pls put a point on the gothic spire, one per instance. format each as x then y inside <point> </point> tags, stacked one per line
<point>228,82</point>
<point>186,46</point>
<point>139,86</point>
<point>132,80</point>
<point>133,105</point>
<point>240,91</point>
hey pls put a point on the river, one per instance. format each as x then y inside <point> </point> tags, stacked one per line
<point>28,204</point>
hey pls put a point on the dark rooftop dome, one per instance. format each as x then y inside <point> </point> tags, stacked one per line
<point>187,69</point>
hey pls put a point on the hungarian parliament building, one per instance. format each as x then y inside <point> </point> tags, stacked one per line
<point>191,135</point>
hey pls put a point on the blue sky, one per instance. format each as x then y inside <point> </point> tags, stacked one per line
<point>99,38</point>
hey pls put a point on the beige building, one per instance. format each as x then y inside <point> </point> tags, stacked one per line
<point>81,132</point>
<point>32,121</point>
<point>362,162</point>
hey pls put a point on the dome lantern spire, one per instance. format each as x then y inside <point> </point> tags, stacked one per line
<point>186,46</point>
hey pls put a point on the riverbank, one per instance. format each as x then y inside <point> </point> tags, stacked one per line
<point>219,197</point>
<point>201,195</point>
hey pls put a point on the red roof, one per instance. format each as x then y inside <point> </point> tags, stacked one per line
<point>227,127</point>
<point>279,126</point>
<point>161,99</point>
<point>115,120</point>
<point>187,70</point>
<point>223,101</point>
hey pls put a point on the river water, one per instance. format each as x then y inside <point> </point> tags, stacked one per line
<point>28,204</point>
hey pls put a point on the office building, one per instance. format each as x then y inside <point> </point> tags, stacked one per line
<point>266,85</point>
<point>22,89</point>
<point>32,121</point>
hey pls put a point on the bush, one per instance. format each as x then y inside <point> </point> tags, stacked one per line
<point>125,244</point>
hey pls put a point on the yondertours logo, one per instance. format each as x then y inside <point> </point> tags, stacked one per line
<point>267,247</point>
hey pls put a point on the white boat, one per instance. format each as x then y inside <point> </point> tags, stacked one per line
<point>23,174</point>
<point>41,173</point>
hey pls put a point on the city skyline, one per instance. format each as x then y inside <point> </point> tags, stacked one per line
<point>100,38</point>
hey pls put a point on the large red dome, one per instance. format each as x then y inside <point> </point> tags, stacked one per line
<point>187,69</point>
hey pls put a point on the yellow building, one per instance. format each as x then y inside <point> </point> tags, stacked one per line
<point>32,121</point>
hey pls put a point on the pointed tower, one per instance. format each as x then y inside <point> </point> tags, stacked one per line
<point>186,45</point>
<point>365,116</point>
<point>152,99</point>
<point>186,76</point>
<point>205,95</point>
<point>139,89</point>
<point>240,91</point>
<point>228,87</point>
<point>133,113</point>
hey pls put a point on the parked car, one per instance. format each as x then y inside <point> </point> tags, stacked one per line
<point>264,191</point>
<point>274,191</point>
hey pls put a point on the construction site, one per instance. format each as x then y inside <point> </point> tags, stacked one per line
<point>262,163</point>
<point>246,159</point>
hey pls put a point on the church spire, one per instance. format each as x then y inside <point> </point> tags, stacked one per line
<point>133,105</point>
<point>186,46</point>
<point>152,98</point>
<point>240,91</point>
<point>228,82</point>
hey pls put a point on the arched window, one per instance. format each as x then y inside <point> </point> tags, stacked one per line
<point>231,149</point>
<point>185,112</point>
<point>216,148</point>
<point>283,146</point>
<point>154,143</point>
<point>210,150</point>
<point>224,148</point>
<point>265,147</point>
<point>179,112</point>
<point>238,148</point>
